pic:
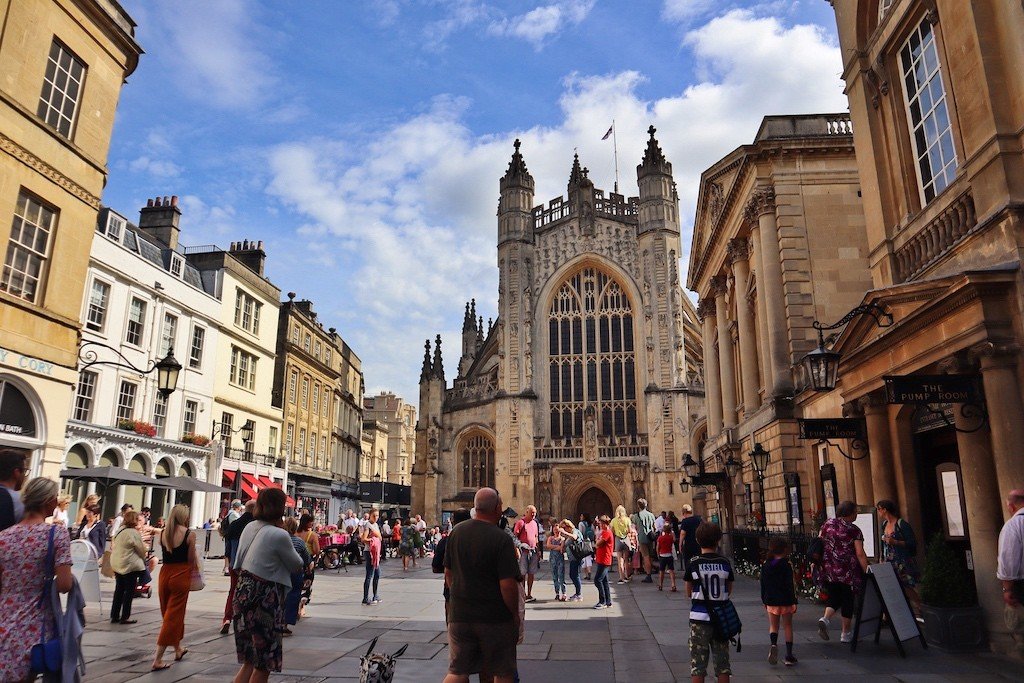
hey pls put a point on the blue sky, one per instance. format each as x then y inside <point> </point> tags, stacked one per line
<point>363,140</point>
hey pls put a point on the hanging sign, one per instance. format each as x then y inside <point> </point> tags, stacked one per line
<point>832,428</point>
<point>933,389</point>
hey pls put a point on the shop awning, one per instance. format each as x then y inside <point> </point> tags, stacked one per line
<point>267,482</point>
<point>112,476</point>
<point>192,484</point>
<point>250,484</point>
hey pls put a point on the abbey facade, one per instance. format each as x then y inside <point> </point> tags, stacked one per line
<point>581,394</point>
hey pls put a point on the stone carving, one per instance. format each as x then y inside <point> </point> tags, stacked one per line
<point>719,285</point>
<point>761,201</point>
<point>590,435</point>
<point>716,201</point>
<point>738,249</point>
<point>35,163</point>
<point>563,243</point>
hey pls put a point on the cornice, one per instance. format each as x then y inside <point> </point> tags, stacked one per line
<point>50,172</point>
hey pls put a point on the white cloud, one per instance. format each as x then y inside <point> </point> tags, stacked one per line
<point>160,168</point>
<point>210,221</point>
<point>410,212</point>
<point>460,14</point>
<point>539,23</point>
<point>684,11</point>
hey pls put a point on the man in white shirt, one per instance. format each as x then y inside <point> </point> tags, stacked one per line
<point>350,522</point>
<point>1010,569</point>
<point>659,522</point>
<point>119,520</point>
<point>421,529</point>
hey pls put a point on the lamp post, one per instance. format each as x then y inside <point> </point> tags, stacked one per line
<point>167,368</point>
<point>246,431</point>
<point>759,457</point>
<point>822,365</point>
<point>380,480</point>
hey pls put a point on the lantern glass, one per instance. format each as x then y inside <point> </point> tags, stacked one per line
<point>684,486</point>
<point>247,430</point>
<point>822,368</point>
<point>731,466</point>
<point>690,466</point>
<point>760,457</point>
<point>167,371</point>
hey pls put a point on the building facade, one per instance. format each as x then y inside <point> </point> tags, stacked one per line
<point>64,63</point>
<point>936,102</point>
<point>400,419</point>
<point>779,242</point>
<point>581,394</point>
<point>346,445</point>
<point>144,299</point>
<point>244,380</point>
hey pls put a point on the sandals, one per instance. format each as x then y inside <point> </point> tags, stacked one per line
<point>660,588</point>
<point>225,628</point>
<point>673,589</point>
<point>161,667</point>
<point>180,657</point>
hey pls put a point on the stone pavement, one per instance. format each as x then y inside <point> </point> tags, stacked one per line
<point>641,639</point>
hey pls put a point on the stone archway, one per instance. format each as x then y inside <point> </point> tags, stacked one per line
<point>593,502</point>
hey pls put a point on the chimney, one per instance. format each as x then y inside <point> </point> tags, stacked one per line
<point>159,220</point>
<point>251,254</point>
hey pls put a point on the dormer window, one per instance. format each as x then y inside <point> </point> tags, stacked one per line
<point>176,264</point>
<point>115,225</point>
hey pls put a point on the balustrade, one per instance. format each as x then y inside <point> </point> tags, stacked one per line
<point>935,239</point>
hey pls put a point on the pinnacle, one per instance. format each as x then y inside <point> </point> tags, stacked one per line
<point>517,166</point>
<point>654,159</point>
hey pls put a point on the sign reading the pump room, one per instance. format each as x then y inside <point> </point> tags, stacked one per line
<point>921,389</point>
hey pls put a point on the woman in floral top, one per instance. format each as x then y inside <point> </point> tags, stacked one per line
<point>843,567</point>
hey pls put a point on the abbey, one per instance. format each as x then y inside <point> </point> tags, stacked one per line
<point>581,394</point>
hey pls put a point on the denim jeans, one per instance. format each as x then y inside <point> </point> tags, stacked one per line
<point>574,575</point>
<point>557,572</point>
<point>604,590</point>
<point>372,574</point>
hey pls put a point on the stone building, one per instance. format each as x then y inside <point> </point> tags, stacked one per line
<point>937,104</point>
<point>373,459</point>
<point>64,63</point>
<point>400,419</point>
<point>580,396</point>
<point>145,300</point>
<point>779,242</point>
<point>347,430</point>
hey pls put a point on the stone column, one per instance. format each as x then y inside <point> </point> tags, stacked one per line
<point>1005,411</point>
<point>739,254</point>
<point>712,378</point>
<point>763,349</point>
<point>762,205</point>
<point>863,491</point>
<point>147,496</point>
<point>876,417</point>
<point>720,287</point>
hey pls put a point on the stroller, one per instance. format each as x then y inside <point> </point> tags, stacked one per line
<point>144,589</point>
<point>332,552</point>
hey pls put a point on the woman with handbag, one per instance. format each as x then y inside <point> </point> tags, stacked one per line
<point>178,545</point>
<point>27,549</point>
<point>570,534</point>
<point>899,546</point>
<point>128,560</point>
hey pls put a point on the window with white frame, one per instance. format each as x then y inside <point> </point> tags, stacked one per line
<point>316,399</point>
<point>113,226</point>
<point>176,263</point>
<point>272,441</point>
<point>168,333</point>
<point>327,356</point>
<point>84,395</point>
<point>301,451</point>
<point>324,403</point>
<point>28,248</point>
<point>307,342</point>
<point>243,369</point>
<point>160,414</point>
<point>289,437</point>
<point>191,413</point>
<point>311,456</point>
<point>126,400</point>
<point>62,89</point>
<point>316,350</point>
<point>227,424</point>
<point>293,381</point>
<point>247,312</point>
<point>305,392</point>
<point>930,125</point>
<point>323,451</point>
<point>295,334</point>
<point>195,354</point>
<point>136,322</point>
<point>96,315</point>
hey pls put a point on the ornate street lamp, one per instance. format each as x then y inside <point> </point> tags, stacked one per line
<point>167,368</point>
<point>759,458</point>
<point>822,365</point>
<point>732,466</point>
<point>690,466</point>
<point>246,431</point>
<point>684,486</point>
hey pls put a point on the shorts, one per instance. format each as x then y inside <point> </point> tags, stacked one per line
<point>529,563</point>
<point>621,546</point>
<point>666,563</point>
<point>702,646</point>
<point>780,609</point>
<point>840,597</point>
<point>482,648</point>
<point>645,550</point>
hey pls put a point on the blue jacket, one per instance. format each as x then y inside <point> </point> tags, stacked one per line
<point>70,627</point>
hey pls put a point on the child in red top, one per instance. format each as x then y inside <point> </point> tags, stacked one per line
<point>604,547</point>
<point>665,560</point>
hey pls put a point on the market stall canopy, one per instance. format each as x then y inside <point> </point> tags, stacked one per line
<point>113,476</point>
<point>190,484</point>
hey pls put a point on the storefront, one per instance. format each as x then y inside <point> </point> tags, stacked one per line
<point>312,494</point>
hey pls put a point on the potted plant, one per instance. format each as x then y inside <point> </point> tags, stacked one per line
<point>952,618</point>
<point>196,439</point>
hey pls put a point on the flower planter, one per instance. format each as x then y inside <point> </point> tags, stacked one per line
<point>954,629</point>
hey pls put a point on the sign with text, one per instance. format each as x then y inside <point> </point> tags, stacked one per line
<point>933,388</point>
<point>832,428</point>
<point>882,602</point>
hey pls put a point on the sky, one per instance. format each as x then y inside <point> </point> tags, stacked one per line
<point>363,140</point>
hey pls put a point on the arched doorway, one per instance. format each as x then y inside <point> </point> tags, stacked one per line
<point>593,502</point>
<point>77,457</point>
<point>184,497</point>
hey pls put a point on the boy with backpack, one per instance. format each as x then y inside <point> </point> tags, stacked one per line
<point>708,580</point>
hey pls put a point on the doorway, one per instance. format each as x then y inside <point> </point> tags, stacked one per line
<point>593,502</point>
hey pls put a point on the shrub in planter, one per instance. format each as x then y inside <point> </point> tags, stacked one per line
<point>952,618</point>
<point>196,439</point>
<point>137,426</point>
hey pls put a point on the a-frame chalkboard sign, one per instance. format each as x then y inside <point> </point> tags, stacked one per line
<point>882,601</point>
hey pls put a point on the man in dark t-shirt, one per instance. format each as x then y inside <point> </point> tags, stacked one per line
<point>483,575</point>
<point>688,546</point>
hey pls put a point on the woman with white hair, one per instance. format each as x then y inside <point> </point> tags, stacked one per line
<point>32,553</point>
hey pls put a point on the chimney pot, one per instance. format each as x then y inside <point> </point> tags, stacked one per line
<point>174,200</point>
<point>167,200</point>
<point>149,202</point>
<point>260,245</point>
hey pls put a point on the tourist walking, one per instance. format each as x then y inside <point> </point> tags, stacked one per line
<point>688,546</point>
<point>437,562</point>
<point>13,472</point>
<point>708,579</point>
<point>27,550</point>
<point>406,545</point>
<point>843,567</point>
<point>527,534</point>
<point>230,544</point>
<point>899,546</point>
<point>571,535</point>
<point>603,552</point>
<point>586,529</point>
<point>128,560</point>
<point>294,597</point>
<point>94,530</point>
<point>371,539</point>
<point>555,545</point>
<point>60,513</point>
<point>620,529</point>
<point>231,537</point>
<point>483,579</point>
<point>312,541</point>
<point>778,595</point>
<point>421,533</point>
<point>1010,568</point>
<point>666,561</point>
<point>180,559</point>
<point>645,521</point>
<point>265,562</point>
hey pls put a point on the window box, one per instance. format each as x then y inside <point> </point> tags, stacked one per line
<point>137,426</point>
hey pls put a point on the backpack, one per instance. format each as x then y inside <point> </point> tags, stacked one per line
<point>725,620</point>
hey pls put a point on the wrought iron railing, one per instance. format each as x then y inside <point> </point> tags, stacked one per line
<point>750,550</point>
<point>266,459</point>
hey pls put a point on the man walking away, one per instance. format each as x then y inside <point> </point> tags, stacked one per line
<point>527,533</point>
<point>646,535</point>
<point>232,535</point>
<point>229,546</point>
<point>688,546</point>
<point>437,563</point>
<point>1010,569</point>
<point>12,478</point>
<point>483,579</point>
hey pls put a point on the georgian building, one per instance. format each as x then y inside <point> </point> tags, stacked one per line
<point>400,419</point>
<point>64,63</point>
<point>145,300</point>
<point>347,432</point>
<point>581,395</point>
<point>935,97</point>
<point>779,242</point>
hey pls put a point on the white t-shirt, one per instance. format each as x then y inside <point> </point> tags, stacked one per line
<point>386,529</point>
<point>421,526</point>
<point>116,526</point>
<point>659,523</point>
<point>350,523</point>
<point>60,516</point>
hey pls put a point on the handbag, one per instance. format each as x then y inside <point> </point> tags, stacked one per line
<point>47,655</point>
<point>106,568</point>
<point>725,620</point>
<point>581,549</point>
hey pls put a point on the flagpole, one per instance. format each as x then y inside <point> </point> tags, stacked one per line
<point>615,147</point>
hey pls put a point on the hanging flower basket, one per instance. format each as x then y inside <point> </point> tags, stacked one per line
<point>137,426</point>
<point>196,439</point>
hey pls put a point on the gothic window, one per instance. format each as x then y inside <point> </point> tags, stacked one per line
<point>591,360</point>
<point>478,462</point>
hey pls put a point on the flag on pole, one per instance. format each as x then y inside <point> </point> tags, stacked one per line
<point>609,133</point>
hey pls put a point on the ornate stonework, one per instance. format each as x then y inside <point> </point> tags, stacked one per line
<point>39,166</point>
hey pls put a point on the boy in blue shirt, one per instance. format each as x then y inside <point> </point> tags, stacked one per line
<point>709,578</point>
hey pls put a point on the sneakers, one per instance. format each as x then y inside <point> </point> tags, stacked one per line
<point>773,655</point>
<point>823,628</point>
<point>621,581</point>
<point>790,660</point>
<point>648,579</point>
<point>530,598</point>
<point>576,598</point>
<point>846,637</point>
<point>367,602</point>
<point>601,605</point>
<point>376,600</point>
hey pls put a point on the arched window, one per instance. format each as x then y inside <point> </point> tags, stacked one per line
<point>478,462</point>
<point>591,358</point>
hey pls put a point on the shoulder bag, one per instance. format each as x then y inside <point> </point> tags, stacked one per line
<point>581,548</point>
<point>725,621</point>
<point>47,655</point>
